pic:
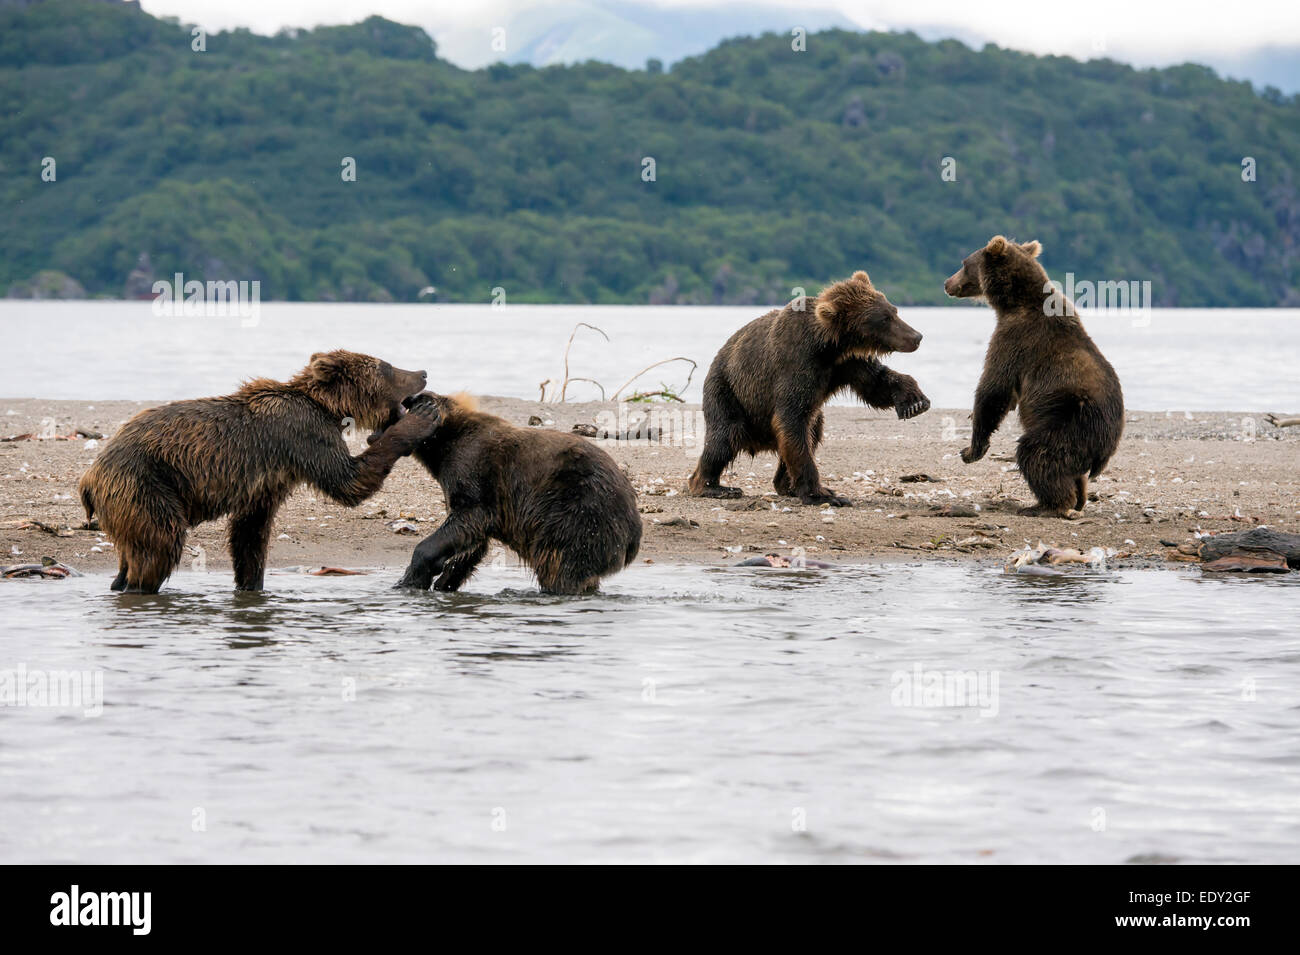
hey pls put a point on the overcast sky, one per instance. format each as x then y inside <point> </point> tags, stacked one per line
<point>1144,32</point>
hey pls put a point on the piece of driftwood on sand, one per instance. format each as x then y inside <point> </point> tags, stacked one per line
<point>1259,543</point>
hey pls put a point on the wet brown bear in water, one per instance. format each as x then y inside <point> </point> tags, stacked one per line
<point>557,501</point>
<point>766,387</point>
<point>171,468</point>
<point>1042,360</point>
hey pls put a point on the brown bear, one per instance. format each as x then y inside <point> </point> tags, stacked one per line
<point>557,501</point>
<point>1040,359</point>
<point>766,386</point>
<point>171,468</point>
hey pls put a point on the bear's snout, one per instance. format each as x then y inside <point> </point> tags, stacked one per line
<point>905,337</point>
<point>953,284</point>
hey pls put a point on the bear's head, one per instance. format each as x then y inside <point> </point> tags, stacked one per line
<point>366,389</point>
<point>445,411</point>
<point>1001,272</point>
<point>857,316</point>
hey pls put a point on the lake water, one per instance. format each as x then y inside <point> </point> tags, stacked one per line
<point>890,713</point>
<point>684,715</point>
<point>1169,359</point>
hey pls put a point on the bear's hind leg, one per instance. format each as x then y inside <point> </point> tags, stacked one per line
<point>572,586</point>
<point>796,441</point>
<point>572,572</point>
<point>1051,478</point>
<point>781,481</point>
<point>119,582</point>
<point>145,574</point>
<point>1081,494</point>
<point>719,451</point>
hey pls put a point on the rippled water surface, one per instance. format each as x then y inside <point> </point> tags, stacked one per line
<point>685,714</point>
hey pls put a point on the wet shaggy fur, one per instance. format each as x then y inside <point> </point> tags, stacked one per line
<point>766,386</point>
<point>556,500</point>
<point>171,468</point>
<point>1042,361</point>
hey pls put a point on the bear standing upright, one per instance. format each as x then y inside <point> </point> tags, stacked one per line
<point>766,386</point>
<point>175,466</point>
<point>1041,360</point>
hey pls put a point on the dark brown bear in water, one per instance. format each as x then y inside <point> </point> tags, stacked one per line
<point>557,501</point>
<point>1040,359</point>
<point>766,387</point>
<point>171,468</point>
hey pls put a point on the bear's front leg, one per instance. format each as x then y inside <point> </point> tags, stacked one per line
<point>881,387</point>
<point>433,553</point>
<point>908,398</point>
<point>974,451</point>
<point>250,534</point>
<point>460,568</point>
<point>350,480</point>
<point>993,400</point>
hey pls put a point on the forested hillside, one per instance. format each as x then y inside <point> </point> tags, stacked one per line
<point>773,168</point>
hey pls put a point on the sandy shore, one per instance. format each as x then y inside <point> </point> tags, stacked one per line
<point>1173,475</point>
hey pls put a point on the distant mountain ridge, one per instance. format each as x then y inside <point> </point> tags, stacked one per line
<point>736,176</point>
<point>626,34</point>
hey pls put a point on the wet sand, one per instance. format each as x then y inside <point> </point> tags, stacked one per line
<point>1172,476</point>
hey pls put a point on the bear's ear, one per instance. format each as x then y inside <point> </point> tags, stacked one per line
<point>825,308</point>
<point>325,365</point>
<point>997,245</point>
<point>1032,248</point>
<point>841,297</point>
<point>831,301</point>
<point>464,402</point>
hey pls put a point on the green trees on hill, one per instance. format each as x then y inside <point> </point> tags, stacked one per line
<point>772,168</point>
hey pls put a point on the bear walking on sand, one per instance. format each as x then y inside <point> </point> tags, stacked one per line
<point>766,386</point>
<point>171,468</point>
<point>1041,360</point>
<point>560,503</point>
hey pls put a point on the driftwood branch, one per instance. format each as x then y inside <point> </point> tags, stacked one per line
<point>1277,422</point>
<point>656,365</point>
<point>564,387</point>
<point>589,380</point>
<point>1256,541</point>
<point>643,395</point>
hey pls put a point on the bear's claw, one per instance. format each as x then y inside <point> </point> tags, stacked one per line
<point>826,497</point>
<point>913,408</point>
<point>719,491</point>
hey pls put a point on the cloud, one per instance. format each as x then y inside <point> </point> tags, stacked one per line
<point>1233,38</point>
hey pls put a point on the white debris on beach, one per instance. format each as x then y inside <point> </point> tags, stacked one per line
<point>1044,560</point>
